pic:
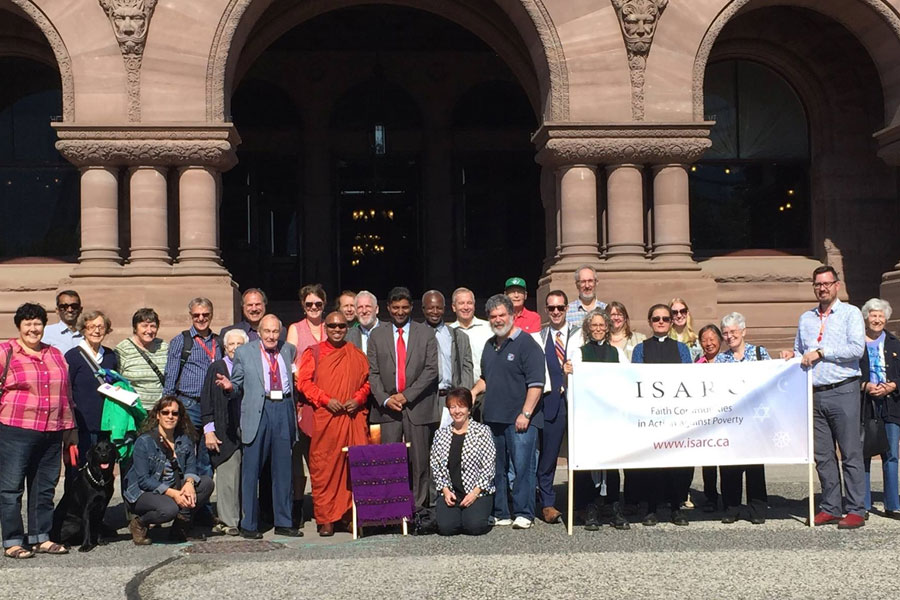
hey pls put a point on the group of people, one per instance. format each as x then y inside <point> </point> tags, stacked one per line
<point>482,405</point>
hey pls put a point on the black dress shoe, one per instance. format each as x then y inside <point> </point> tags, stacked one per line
<point>757,520</point>
<point>892,514</point>
<point>250,534</point>
<point>618,520</point>
<point>591,518</point>
<point>650,519</point>
<point>678,518</point>
<point>288,532</point>
<point>730,516</point>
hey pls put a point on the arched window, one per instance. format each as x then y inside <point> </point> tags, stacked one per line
<point>38,188</point>
<point>751,189</point>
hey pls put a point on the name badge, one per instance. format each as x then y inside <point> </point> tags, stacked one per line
<point>276,395</point>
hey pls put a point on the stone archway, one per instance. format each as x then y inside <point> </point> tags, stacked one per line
<point>529,18</point>
<point>63,61</point>
<point>874,23</point>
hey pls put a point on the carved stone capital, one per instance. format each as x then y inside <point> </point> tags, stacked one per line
<point>148,145</point>
<point>562,144</point>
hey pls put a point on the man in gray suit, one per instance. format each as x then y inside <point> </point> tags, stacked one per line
<point>403,374</point>
<point>367,319</point>
<point>454,351</point>
<point>262,376</point>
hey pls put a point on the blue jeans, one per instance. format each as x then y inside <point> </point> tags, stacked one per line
<point>520,451</point>
<point>34,457</point>
<point>204,467</point>
<point>889,471</point>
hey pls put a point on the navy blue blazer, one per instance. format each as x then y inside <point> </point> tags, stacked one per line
<point>88,401</point>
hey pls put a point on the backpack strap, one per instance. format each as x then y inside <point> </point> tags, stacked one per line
<point>5,369</point>
<point>187,347</point>
<point>758,353</point>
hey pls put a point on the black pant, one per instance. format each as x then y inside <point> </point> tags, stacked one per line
<point>667,485</point>
<point>732,487</point>
<point>709,485</point>
<point>472,520</point>
<point>587,491</point>
<point>155,509</point>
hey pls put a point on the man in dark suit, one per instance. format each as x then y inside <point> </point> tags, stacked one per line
<point>555,339</point>
<point>454,350</point>
<point>403,374</point>
<point>262,376</point>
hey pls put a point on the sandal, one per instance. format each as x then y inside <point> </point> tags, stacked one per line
<point>18,552</point>
<point>53,548</point>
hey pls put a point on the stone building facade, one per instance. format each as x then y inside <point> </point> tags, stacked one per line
<point>716,150</point>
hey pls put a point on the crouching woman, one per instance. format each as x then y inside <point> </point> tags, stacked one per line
<point>463,460</point>
<point>162,484</point>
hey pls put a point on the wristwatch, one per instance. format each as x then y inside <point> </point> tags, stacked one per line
<point>821,354</point>
<point>527,414</point>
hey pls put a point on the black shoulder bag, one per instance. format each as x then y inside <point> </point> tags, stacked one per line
<point>146,357</point>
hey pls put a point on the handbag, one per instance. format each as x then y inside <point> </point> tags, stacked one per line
<point>874,434</point>
<point>150,363</point>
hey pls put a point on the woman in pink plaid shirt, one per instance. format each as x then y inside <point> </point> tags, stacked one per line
<point>35,410</point>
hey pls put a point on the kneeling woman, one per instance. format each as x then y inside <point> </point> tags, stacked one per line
<point>462,461</point>
<point>162,484</point>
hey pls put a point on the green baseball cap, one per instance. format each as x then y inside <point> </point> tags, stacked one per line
<point>515,282</point>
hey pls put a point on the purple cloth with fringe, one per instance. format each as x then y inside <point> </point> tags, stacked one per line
<point>379,478</point>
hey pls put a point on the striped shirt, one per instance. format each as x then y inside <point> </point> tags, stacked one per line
<point>135,369</point>
<point>195,368</point>
<point>36,392</point>
<point>843,341</point>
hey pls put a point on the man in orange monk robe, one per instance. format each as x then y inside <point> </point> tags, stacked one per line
<point>333,376</point>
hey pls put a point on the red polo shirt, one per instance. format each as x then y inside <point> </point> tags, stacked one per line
<point>528,321</point>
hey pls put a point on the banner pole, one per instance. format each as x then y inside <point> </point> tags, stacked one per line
<point>811,447</point>
<point>570,389</point>
<point>571,505</point>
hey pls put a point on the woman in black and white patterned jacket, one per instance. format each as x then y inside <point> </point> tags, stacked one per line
<point>462,461</point>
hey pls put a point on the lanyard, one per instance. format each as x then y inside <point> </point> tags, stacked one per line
<point>211,353</point>
<point>822,323</point>
<point>274,371</point>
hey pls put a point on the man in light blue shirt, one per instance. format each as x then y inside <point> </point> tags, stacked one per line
<point>63,335</point>
<point>831,340</point>
<point>454,352</point>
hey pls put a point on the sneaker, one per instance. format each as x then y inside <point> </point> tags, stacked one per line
<point>521,523</point>
<point>824,518</point>
<point>851,521</point>
<point>500,522</point>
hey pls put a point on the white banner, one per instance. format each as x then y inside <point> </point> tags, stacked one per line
<point>672,415</point>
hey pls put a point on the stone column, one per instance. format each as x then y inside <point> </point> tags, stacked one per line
<point>99,222</point>
<point>671,215</point>
<point>625,214</point>
<point>578,214</point>
<point>889,151</point>
<point>549,199</point>
<point>198,212</point>
<point>437,184</point>
<point>149,222</point>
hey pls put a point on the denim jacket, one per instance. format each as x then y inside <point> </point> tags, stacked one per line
<point>149,461</point>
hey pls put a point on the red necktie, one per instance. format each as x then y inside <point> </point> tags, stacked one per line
<point>401,362</point>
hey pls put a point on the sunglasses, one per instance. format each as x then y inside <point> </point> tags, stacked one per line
<point>200,315</point>
<point>72,306</point>
<point>680,311</point>
<point>169,413</point>
<point>314,304</point>
<point>657,319</point>
<point>556,308</point>
<point>336,325</point>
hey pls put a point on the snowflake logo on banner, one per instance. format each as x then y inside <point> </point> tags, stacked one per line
<point>761,412</point>
<point>781,439</point>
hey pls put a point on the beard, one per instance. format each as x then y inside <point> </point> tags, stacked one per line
<point>368,322</point>
<point>503,330</point>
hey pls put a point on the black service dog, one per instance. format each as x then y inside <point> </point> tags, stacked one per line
<point>80,512</point>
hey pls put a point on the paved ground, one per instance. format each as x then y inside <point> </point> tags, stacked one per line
<point>780,559</point>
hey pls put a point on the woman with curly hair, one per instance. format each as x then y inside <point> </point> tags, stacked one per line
<point>162,484</point>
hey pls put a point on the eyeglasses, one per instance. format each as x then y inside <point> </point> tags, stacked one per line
<point>71,306</point>
<point>824,285</point>
<point>98,327</point>
<point>169,413</point>
<point>336,325</point>
<point>657,319</point>
<point>556,308</point>
<point>680,311</point>
<point>584,281</point>
<point>201,315</point>
<point>598,326</point>
<point>314,304</point>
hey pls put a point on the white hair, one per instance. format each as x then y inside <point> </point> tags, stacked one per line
<point>368,294</point>
<point>734,319</point>
<point>582,268</point>
<point>236,333</point>
<point>877,304</point>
